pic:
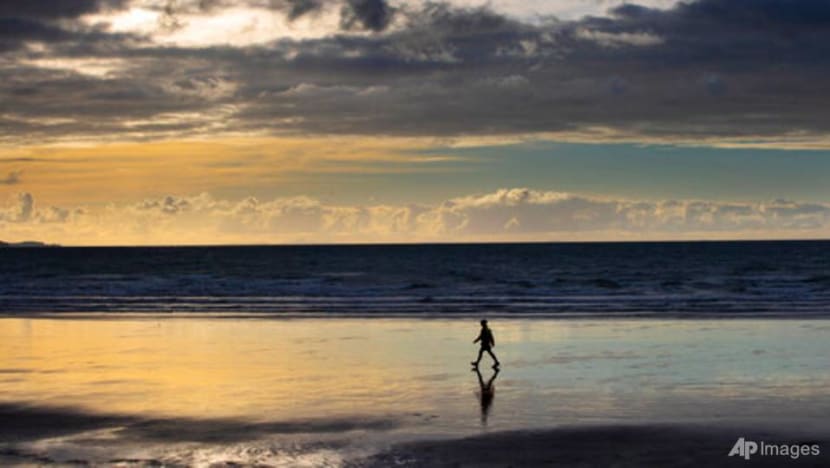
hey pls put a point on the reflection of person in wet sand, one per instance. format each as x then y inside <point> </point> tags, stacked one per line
<point>488,392</point>
<point>487,343</point>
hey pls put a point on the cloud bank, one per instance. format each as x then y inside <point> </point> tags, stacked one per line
<point>704,70</point>
<point>518,214</point>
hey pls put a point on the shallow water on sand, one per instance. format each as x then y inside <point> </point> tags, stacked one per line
<point>316,391</point>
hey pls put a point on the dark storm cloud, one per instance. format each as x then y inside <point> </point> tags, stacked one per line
<point>298,8</point>
<point>373,15</point>
<point>17,30</point>
<point>55,8</point>
<point>49,21</point>
<point>705,69</point>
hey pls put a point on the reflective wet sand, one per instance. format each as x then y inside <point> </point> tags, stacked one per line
<point>160,386</point>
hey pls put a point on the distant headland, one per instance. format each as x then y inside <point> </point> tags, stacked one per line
<point>26,244</point>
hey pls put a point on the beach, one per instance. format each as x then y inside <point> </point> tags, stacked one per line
<point>213,391</point>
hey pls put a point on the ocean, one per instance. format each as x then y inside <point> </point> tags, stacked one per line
<point>662,279</point>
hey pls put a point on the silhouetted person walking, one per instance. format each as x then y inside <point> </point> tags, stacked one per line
<point>487,343</point>
<point>488,392</point>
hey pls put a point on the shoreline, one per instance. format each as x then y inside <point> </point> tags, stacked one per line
<point>717,316</point>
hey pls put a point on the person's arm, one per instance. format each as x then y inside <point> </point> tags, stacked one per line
<point>492,339</point>
<point>477,339</point>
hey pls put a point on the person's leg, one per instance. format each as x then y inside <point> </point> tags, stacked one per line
<point>492,356</point>
<point>480,352</point>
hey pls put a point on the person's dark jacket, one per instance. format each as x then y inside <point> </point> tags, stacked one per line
<point>486,338</point>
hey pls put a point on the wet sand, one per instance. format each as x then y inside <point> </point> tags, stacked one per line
<point>347,392</point>
<point>603,446</point>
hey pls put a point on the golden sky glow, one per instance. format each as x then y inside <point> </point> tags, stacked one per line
<point>119,172</point>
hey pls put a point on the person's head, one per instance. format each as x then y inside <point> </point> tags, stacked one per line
<point>484,323</point>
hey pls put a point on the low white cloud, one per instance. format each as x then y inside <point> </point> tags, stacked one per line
<point>21,211</point>
<point>506,214</point>
<point>607,39</point>
<point>94,67</point>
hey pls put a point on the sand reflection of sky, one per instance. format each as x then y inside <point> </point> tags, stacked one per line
<point>555,372</point>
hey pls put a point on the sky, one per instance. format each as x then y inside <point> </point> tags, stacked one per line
<point>321,121</point>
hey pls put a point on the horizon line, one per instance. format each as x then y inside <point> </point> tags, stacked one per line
<point>40,244</point>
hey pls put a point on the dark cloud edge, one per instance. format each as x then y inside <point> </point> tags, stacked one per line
<point>704,72</point>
